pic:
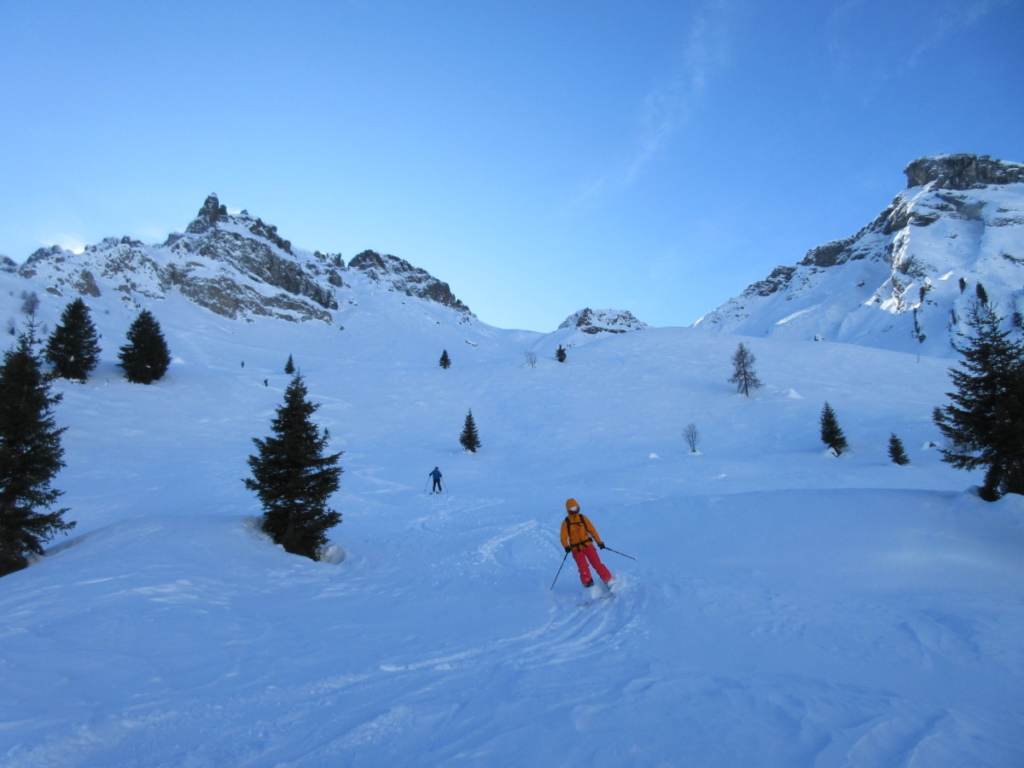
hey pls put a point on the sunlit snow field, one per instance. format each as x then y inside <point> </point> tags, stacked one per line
<point>785,608</point>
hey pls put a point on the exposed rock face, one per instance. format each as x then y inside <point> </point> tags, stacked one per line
<point>211,212</point>
<point>962,171</point>
<point>7,264</point>
<point>402,276</point>
<point>902,281</point>
<point>603,321</point>
<point>232,264</point>
<point>247,248</point>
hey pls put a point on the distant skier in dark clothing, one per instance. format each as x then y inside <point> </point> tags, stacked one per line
<point>436,474</point>
<point>578,536</point>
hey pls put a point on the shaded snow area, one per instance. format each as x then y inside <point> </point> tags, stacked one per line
<point>785,608</point>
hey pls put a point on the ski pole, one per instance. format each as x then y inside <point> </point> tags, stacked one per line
<point>619,553</point>
<point>559,572</point>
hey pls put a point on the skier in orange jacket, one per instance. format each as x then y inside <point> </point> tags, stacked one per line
<point>578,537</point>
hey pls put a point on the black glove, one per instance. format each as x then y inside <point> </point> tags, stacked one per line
<point>600,544</point>
<point>567,549</point>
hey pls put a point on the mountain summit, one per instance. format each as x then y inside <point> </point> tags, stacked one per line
<point>234,265</point>
<point>904,281</point>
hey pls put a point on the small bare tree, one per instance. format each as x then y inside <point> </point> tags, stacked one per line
<point>531,359</point>
<point>692,437</point>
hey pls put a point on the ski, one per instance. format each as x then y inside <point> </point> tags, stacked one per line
<point>608,595</point>
<point>593,600</point>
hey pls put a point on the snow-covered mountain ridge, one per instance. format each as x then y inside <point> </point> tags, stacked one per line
<point>594,321</point>
<point>904,281</point>
<point>234,265</point>
<point>239,267</point>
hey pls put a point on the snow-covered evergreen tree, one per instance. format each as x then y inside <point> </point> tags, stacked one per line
<point>896,451</point>
<point>73,348</point>
<point>145,358</point>
<point>469,439</point>
<point>445,361</point>
<point>294,477</point>
<point>984,425</point>
<point>31,455</point>
<point>831,434</point>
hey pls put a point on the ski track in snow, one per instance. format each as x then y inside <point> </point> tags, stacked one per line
<point>453,690</point>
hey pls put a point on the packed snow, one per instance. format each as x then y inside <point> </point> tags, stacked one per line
<point>785,608</point>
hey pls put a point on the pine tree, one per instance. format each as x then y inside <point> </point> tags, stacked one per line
<point>981,293</point>
<point>31,455</point>
<point>831,434</point>
<point>293,477</point>
<point>145,358</point>
<point>445,361</point>
<point>560,354</point>
<point>469,438</point>
<point>289,367</point>
<point>896,452</point>
<point>984,425</point>
<point>73,348</point>
<point>743,375</point>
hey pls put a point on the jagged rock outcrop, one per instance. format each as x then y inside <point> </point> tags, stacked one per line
<point>208,216</point>
<point>402,276</point>
<point>603,321</point>
<point>243,249</point>
<point>906,279</point>
<point>7,264</point>
<point>233,264</point>
<point>962,171</point>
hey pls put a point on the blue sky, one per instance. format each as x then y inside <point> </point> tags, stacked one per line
<point>539,157</point>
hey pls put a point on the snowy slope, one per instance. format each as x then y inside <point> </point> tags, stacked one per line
<point>786,608</point>
<point>906,280</point>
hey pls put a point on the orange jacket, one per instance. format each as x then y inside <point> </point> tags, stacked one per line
<point>578,532</point>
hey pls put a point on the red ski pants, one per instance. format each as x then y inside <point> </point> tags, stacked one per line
<point>589,552</point>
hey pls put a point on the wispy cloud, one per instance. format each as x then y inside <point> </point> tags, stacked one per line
<point>949,20</point>
<point>665,108</point>
<point>670,103</point>
<point>850,20</point>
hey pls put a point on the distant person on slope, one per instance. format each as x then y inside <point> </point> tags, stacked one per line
<point>578,537</point>
<point>436,474</point>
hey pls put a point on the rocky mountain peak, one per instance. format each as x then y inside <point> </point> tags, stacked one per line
<point>603,321</point>
<point>208,216</point>
<point>961,171</point>
<point>233,264</point>
<point>906,280</point>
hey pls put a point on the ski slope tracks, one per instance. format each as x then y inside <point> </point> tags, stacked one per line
<point>786,607</point>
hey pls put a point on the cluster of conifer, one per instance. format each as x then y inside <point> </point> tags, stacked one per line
<point>73,348</point>
<point>984,425</point>
<point>31,453</point>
